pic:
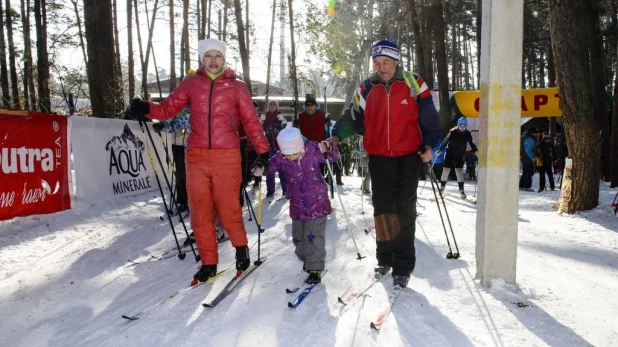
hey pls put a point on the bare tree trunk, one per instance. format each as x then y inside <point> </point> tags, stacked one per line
<point>186,53</point>
<point>100,42</point>
<point>453,51</point>
<point>571,57</point>
<point>226,6</point>
<point>418,41</point>
<point>79,29</point>
<point>202,8</point>
<point>427,43</point>
<point>141,52</point>
<point>551,82</point>
<point>614,144</point>
<point>270,52</point>
<point>12,66</point>
<point>172,49</point>
<point>40,18</point>
<point>27,73</point>
<point>247,35</point>
<point>597,68</point>
<point>439,28</point>
<point>117,65</point>
<point>244,54</point>
<point>131,62</point>
<point>154,56</point>
<point>209,18</point>
<point>479,25</point>
<point>4,74</point>
<point>293,57</point>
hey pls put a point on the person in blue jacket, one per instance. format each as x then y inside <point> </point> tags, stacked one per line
<point>526,156</point>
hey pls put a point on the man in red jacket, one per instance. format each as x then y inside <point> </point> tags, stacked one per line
<point>394,111</point>
<point>218,103</point>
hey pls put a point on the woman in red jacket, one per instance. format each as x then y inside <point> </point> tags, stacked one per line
<point>218,104</point>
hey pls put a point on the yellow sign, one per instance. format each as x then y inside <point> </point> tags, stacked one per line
<point>542,102</point>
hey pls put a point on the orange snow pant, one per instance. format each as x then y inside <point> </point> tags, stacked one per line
<point>213,183</point>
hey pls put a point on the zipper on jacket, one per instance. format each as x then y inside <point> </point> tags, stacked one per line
<point>388,118</point>
<point>212,87</point>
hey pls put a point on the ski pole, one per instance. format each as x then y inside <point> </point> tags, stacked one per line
<point>251,211</point>
<point>476,181</point>
<point>345,215</point>
<point>170,163</point>
<point>169,216</point>
<point>434,186</point>
<point>258,220</point>
<point>170,186</point>
<point>432,164</point>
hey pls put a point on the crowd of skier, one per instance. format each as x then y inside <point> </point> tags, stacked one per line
<point>388,135</point>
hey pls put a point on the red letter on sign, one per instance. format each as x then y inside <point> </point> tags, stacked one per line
<point>539,100</point>
<point>476,104</point>
<point>523,104</point>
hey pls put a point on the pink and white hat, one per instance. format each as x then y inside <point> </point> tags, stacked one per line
<point>290,141</point>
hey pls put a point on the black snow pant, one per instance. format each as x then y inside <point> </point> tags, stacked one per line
<point>527,166</point>
<point>546,169</point>
<point>394,181</point>
<point>181,174</point>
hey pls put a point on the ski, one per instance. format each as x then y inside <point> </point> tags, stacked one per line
<point>348,298</point>
<point>392,298</point>
<point>301,297</point>
<point>231,284</point>
<point>170,253</point>
<point>179,292</point>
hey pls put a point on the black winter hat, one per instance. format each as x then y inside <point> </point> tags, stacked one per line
<point>310,99</point>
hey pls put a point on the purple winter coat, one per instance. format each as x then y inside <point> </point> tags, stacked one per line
<point>307,191</point>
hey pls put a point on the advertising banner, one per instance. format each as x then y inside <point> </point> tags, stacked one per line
<point>111,159</point>
<point>542,102</point>
<point>34,164</point>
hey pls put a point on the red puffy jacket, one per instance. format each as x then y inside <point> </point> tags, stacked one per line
<point>217,110</point>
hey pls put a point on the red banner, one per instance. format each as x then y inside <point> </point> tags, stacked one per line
<point>34,164</point>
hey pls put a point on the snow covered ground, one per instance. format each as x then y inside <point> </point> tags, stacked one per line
<point>65,281</point>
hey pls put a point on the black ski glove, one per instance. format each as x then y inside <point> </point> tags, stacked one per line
<point>157,127</point>
<point>260,167</point>
<point>139,106</point>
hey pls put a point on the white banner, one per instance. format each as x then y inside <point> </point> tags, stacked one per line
<point>111,159</point>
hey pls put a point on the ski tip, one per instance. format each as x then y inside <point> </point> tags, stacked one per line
<point>374,326</point>
<point>291,291</point>
<point>291,305</point>
<point>341,300</point>
<point>130,317</point>
<point>208,304</point>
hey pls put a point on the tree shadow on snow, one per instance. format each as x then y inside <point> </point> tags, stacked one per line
<point>422,324</point>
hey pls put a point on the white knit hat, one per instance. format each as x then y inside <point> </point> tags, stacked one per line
<point>204,46</point>
<point>290,141</point>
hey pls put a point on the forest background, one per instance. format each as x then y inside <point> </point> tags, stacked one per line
<point>55,52</point>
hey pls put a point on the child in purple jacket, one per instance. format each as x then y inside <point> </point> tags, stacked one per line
<point>300,160</point>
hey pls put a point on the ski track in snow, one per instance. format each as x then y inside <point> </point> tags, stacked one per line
<point>65,280</point>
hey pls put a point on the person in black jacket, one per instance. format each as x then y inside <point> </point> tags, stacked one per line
<point>545,153</point>
<point>455,144</point>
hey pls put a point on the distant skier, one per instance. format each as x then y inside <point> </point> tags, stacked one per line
<point>300,160</point>
<point>455,144</point>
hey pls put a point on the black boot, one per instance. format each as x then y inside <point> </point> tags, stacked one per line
<point>242,258</point>
<point>205,272</point>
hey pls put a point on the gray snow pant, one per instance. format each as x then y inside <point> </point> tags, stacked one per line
<point>308,237</point>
